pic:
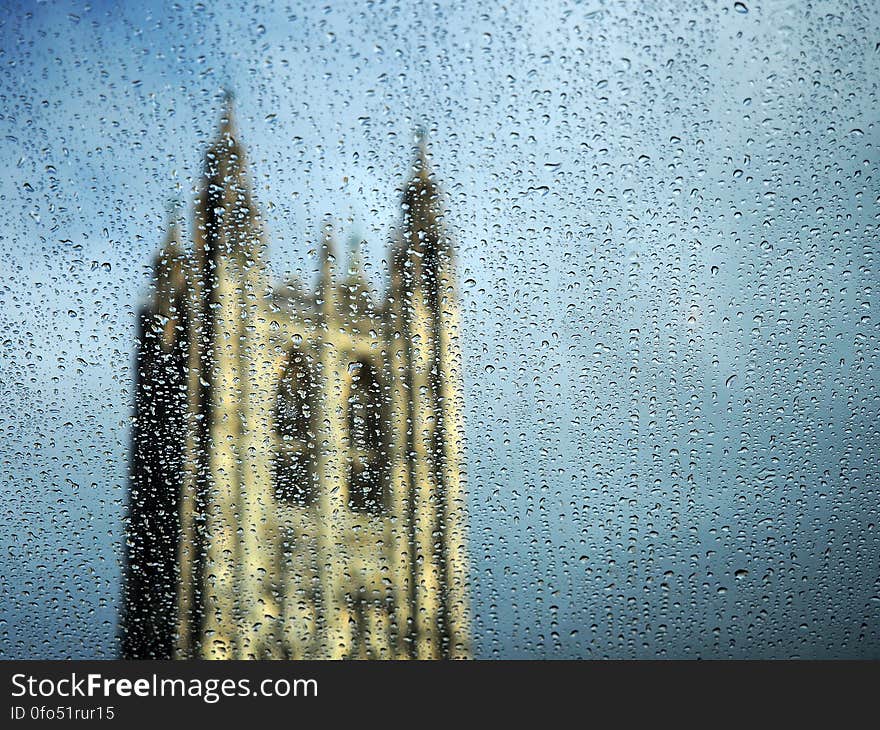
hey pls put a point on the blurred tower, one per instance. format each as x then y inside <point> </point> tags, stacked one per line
<point>297,486</point>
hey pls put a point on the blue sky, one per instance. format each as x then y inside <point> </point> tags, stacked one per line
<point>666,220</point>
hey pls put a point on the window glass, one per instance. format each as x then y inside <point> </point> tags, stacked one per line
<point>563,312</point>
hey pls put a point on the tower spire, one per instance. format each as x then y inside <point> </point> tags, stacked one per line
<point>168,262</point>
<point>227,121</point>
<point>355,288</point>
<point>327,274</point>
<point>422,147</point>
<point>422,243</point>
<point>227,218</point>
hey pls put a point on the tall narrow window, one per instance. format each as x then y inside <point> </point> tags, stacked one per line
<point>294,472</point>
<point>367,471</point>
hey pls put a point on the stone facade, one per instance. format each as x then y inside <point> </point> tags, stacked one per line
<point>297,486</point>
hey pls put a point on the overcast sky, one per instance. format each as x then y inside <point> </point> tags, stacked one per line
<point>666,218</point>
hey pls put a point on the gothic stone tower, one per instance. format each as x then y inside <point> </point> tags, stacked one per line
<point>297,486</point>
